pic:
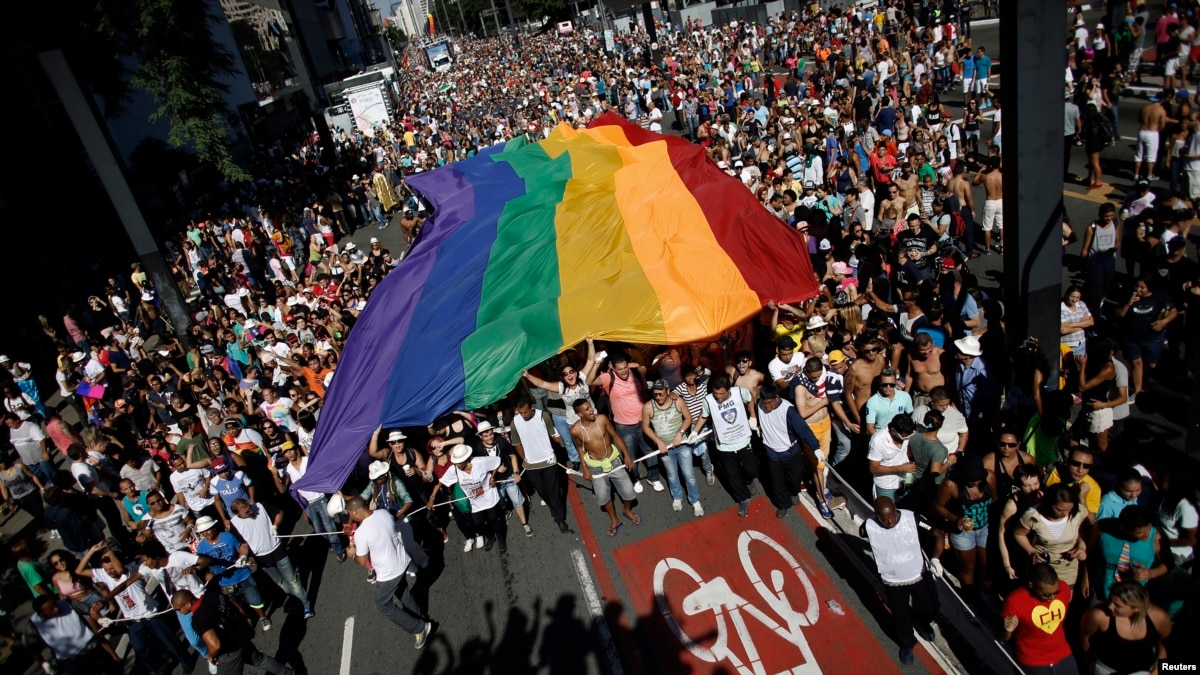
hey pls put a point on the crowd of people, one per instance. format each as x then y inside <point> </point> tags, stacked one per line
<point>898,375</point>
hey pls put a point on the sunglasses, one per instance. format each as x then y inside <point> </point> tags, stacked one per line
<point>569,371</point>
<point>887,384</point>
<point>874,350</point>
<point>1006,444</point>
<point>1080,465</point>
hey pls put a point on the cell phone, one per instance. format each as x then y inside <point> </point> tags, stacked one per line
<point>601,356</point>
<point>1030,344</point>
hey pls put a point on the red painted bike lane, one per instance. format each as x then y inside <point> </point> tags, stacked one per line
<point>740,596</point>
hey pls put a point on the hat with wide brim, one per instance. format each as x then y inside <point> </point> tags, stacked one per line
<point>378,469</point>
<point>460,454</point>
<point>969,345</point>
<point>205,523</point>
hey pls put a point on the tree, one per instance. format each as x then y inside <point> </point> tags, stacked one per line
<point>179,63</point>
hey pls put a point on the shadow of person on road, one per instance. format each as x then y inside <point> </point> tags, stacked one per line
<point>291,636</point>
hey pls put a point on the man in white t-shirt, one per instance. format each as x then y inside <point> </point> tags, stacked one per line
<point>31,445</point>
<point>191,488</point>
<point>127,588</point>
<point>278,409</point>
<point>376,543</point>
<point>65,631</point>
<point>888,455</point>
<point>257,528</point>
<point>474,476</point>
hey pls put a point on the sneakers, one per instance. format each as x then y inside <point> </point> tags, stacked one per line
<point>488,543</point>
<point>528,530</point>
<point>744,508</point>
<point>478,542</point>
<point>341,557</point>
<point>1132,399</point>
<point>697,510</point>
<point>657,485</point>
<point>211,668</point>
<point>637,487</point>
<point>423,636</point>
<point>906,656</point>
<point>1151,178</point>
<point>467,547</point>
<point>709,477</point>
<point>825,511</point>
<point>827,495</point>
<point>264,624</point>
<point>562,527</point>
<point>308,612</point>
<point>779,513</point>
<point>445,537</point>
<point>371,576</point>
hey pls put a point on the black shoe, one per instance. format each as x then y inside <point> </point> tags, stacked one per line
<point>504,547</point>
<point>781,513</point>
<point>562,527</point>
<point>926,633</point>
<point>341,557</point>
<point>488,543</point>
<point>744,508</point>
<point>906,656</point>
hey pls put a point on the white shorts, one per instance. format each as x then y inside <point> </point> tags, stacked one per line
<point>993,215</point>
<point>1171,66</point>
<point>1147,147</point>
<point>1100,420</point>
<point>1193,178</point>
<point>981,85</point>
<point>968,84</point>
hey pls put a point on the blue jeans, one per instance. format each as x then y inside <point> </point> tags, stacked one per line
<point>45,471</point>
<point>633,436</point>
<point>321,522</point>
<point>843,443</point>
<point>139,639</point>
<point>704,449</point>
<point>679,461</point>
<point>564,432</point>
<point>284,575</point>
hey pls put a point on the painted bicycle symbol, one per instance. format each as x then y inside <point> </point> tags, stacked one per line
<point>718,597</point>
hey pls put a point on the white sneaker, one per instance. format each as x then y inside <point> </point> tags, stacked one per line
<point>677,505</point>
<point>657,485</point>
<point>211,668</point>
<point>697,510</point>
<point>478,542</point>
<point>467,547</point>
<point>637,487</point>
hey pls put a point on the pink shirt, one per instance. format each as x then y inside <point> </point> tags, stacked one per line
<point>624,397</point>
<point>1160,28</point>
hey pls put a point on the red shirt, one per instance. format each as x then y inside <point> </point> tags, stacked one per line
<point>1039,637</point>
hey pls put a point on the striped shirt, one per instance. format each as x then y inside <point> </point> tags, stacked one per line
<point>694,402</point>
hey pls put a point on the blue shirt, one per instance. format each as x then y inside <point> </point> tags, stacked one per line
<point>232,489</point>
<point>983,65</point>
<point>968,68</point>
<point>886,119</point>
<point>974,385</point>
<point>225,551</point>
<point>880,410</point>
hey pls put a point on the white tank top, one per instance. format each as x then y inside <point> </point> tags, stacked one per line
<point>730,422</point>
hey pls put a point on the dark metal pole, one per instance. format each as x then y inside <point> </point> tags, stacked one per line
<point>1031,133</point>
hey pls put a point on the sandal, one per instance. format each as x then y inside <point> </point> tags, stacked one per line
<point>633,518</point>
<point>612,531</point>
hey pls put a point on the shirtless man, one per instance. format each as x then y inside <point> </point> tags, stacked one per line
<point>961,188</point>
<point>924,368</point>
<point>409,223</point>
<point>744,375</point>
<point>812,401</point>
<point>1151,120</point>
<point>894,198</point>
<point>993,206</point>
<point>908,184</point>
<point>861,375</point>
<point>606,454</point>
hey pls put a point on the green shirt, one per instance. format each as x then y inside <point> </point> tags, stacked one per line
<point>34,575</point>
<point>925,452</point>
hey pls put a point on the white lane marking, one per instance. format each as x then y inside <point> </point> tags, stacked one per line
<point>347,645</point>
<point>583,571</point>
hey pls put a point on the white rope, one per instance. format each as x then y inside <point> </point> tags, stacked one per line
<point>105,622</point>
<point>452,501</point>
<point>688,441</point>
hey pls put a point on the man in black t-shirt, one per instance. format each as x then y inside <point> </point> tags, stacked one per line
<point>919,242</point>
<point>226,631</point>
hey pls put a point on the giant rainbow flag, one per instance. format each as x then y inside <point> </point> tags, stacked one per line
<point>613,232</point>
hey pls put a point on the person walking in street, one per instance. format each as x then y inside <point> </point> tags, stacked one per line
<point>376,545</point>
<point>907,582</point>
<point>734,421</point>
<point>226,630</point>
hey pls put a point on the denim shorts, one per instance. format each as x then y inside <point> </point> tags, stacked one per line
<point>965,541</point>
<point>1150,351</point>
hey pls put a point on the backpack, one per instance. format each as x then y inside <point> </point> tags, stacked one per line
<point>958,225</point>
